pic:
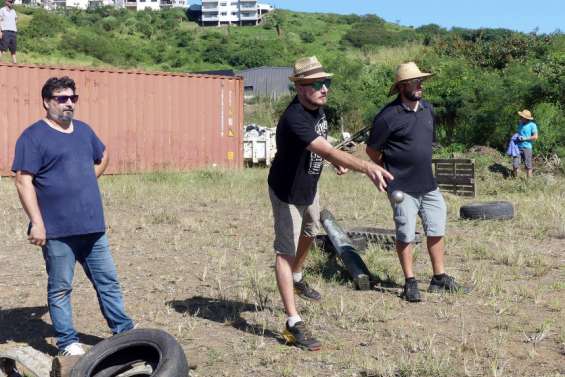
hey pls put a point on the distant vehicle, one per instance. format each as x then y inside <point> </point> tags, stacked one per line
<point>259,145</point>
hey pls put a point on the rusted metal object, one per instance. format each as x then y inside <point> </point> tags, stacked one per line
<point>346,251</point>
<point>148,120</point>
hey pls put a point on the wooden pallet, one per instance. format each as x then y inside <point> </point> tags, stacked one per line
<point>456,176</point>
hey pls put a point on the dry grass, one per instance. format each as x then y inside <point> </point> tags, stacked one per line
<point>194,257</point>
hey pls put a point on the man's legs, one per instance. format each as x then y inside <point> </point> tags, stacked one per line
<point>516,161</point>
<point>304,244</point>
<point>528,162</point>
<point>99,267</point>
<point>309,229</point>
<point>283,271</point>
<point>404,251</point>
<point>436,249</point>
<point>405,223</point>
<point>60,263</point>
<point>291,247</point>
<point>433,212</point>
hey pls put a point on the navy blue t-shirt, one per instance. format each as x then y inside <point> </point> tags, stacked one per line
<point>405,138</point>
<point>62,166</point>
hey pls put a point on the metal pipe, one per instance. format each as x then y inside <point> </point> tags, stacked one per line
<point>346,251</point>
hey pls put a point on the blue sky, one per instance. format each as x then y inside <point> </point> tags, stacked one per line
<point>521,15</point>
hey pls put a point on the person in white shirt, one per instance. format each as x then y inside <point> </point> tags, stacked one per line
<point>8,29</point>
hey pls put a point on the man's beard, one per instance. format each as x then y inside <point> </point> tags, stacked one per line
<point>411,95</point>
<point>65,117</point>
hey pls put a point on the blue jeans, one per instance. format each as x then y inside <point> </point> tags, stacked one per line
<point>93,253</point>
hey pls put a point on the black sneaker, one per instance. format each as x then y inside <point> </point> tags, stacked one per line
<point>298,336</point>
<point>303,290</point>
<point>446,284</point>
<point>411,292</point>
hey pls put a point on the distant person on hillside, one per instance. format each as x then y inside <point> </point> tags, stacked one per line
<point>8,29</point>
<point>401,140</point>
<point>293,188</point>
<point>526,133</point>
<point>57,162</point>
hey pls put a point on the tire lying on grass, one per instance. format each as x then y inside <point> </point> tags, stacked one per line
<point>499,210</point>
<point>157,352</point>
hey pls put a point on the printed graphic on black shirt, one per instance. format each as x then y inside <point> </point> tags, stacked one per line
<point>316,161</point>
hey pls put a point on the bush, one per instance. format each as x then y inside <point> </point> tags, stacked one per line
<point>44,24</point>
<point>372,31</point>
<point>307,36</point>
<point>550,119</point>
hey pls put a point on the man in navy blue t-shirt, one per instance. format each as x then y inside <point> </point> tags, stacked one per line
<point>57,162</point>
<point>401,141</point>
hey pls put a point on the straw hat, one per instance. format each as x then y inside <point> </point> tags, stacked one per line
<point>526,114</point>
<point>308,69</point>
<point>406,71</point>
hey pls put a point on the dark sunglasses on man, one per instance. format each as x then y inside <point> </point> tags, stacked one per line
<point>414,82</point>
<point>317,85</point>
<point>64,99</point>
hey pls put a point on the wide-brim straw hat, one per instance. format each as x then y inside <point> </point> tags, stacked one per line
<point>526,114</point>
<point>404,72</point>
<point>308,69</point>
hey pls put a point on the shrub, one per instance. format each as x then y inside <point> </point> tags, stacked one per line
<point>550,119</point>
<point>44,24</point>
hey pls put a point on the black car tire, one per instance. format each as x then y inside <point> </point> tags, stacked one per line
<point>498,210</point>
<point>117,354</point>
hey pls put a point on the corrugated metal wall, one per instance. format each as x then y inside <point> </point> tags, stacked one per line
<point>268,81</point>
<point>148,121</point>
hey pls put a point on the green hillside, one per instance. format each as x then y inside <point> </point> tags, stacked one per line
<point>482,77</point>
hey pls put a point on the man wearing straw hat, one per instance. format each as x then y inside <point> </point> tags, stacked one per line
<point>527,132</point>
<point>293,181</point>
<point>401,140</point>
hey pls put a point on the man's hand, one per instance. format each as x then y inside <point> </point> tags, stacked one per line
<point>37,235</point>
<point>378,175</point>
<point>340,170</point>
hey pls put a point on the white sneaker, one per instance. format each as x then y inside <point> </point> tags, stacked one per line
<point>73,349</point>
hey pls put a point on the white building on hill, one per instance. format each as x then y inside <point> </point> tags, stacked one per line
<point>227,12</point>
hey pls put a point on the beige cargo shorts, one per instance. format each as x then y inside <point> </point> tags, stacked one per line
<point>292,220</point>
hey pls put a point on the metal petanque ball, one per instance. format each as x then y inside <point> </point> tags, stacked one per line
<point>397,196</point>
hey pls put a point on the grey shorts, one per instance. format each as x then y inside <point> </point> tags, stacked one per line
<point>292,220</point>
<point>429,206</point>
<point>525,157</point>
<point>8,41</point>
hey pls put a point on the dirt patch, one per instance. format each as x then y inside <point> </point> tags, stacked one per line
<point>194,256</point>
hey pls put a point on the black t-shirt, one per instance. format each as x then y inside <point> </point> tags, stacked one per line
<point>295,170</point>
<point>405,137</point>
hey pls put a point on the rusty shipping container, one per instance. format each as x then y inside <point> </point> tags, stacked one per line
<point>148,121</point>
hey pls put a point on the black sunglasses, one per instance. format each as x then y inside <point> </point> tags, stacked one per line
<point>64,99</point>
<point>317,85</point>
<point>414,81</point>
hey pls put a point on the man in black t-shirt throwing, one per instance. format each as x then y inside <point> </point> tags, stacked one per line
<point>293,182</point>
<point>401,140</point>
